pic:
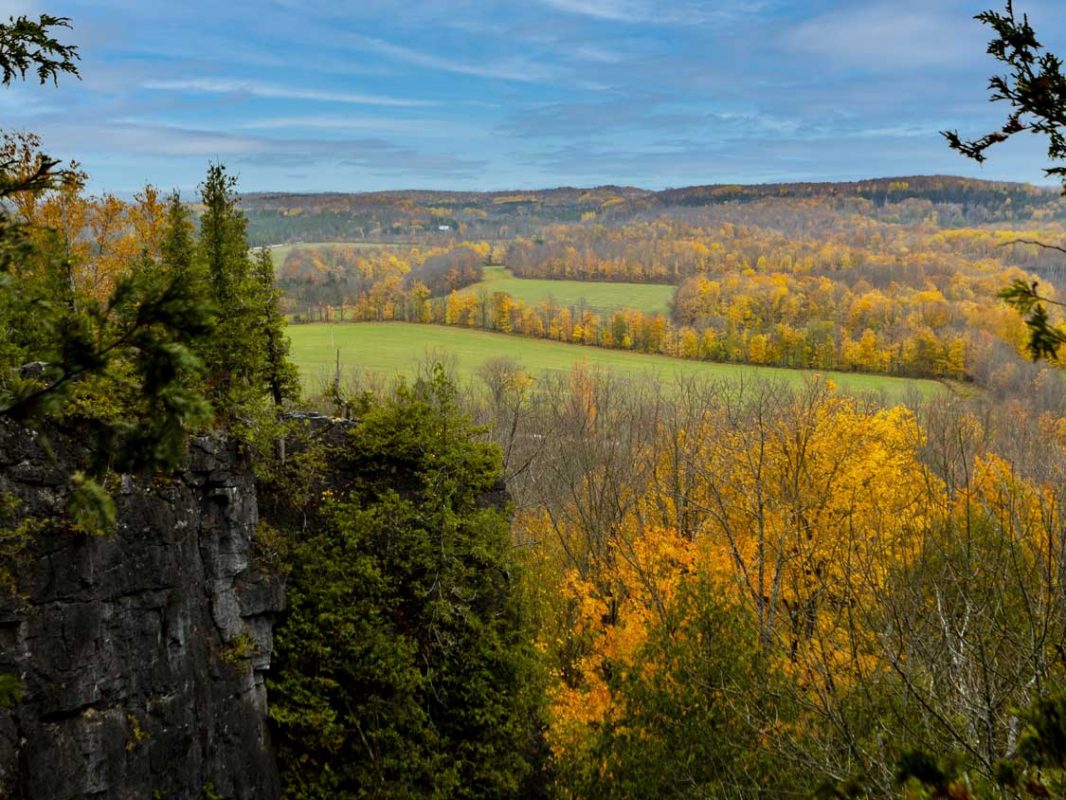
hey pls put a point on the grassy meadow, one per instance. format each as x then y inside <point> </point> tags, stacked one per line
<point>598,296</point>
<point>386,349</point>
<point>281,251</point>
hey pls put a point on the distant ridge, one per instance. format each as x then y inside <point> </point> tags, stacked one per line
<point>405,215</point>
<point>918,184</point>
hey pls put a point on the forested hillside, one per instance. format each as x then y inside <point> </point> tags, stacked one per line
<point>888,277</point>
<point>414,216</point>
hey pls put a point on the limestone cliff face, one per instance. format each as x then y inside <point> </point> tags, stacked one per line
<point>142,652</point>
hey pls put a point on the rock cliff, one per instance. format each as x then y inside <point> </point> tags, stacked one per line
<point>141,652</point>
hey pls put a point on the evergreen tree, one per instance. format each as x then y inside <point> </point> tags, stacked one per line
<point>247,356</point>
<point>178,248</point>
<point>282,379</point>
<point>123,366</point>
<point>403,668</point>
<point>235,359</point>
<point>130,366</point>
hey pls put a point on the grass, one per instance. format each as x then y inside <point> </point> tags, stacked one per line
<point>597,296</point>
<point>281,251</point>
<point>386,349</point>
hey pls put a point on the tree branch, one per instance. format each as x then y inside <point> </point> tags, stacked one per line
<point>1038,243</point>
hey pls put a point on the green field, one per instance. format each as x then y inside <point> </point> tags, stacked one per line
<point>386,349</point>
<point>597,296</point>
<point>281,251</point>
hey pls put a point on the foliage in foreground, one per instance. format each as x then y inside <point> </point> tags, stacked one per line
<point>116,319</point>
<point>123,323</point>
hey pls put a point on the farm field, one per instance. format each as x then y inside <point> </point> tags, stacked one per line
<point>281,251</point>
<point>389,348</point>
<point>601,297</point>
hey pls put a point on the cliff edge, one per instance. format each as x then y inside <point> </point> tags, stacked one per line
<point>141,652</point>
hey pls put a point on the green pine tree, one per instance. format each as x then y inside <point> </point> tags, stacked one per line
<point>178,246</point>
<point>282,379</point>
<point>234,356</point>
<point>247,358</point>
<point>404,667</point>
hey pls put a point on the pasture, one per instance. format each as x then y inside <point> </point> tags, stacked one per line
<point>599,296</point>
<point>387,349</point>
<point>280,252</point>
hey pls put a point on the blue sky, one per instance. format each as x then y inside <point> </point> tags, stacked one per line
<point>353,95</point>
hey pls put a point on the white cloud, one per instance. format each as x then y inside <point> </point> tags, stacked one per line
<point>598,55</point>
<point>615,10</point>
<point>655,11</point>
<point>278,92</point>
<point>132,137</point>
<point>890,37</point>
<point>326,122</point>
<point>516,69</point>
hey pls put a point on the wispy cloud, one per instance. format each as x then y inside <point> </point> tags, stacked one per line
<point>614,10</point>
<point>512,69</point>
<point>890,37</point>
<point>377,155</point>
<point>654,11</point>
<point>133,137</point>
<point>602,120</point>
<point>344,122</point>
<point>599,55</point>
<point>279,92</point>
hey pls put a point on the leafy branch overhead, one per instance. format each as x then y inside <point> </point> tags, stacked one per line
<point>1035,89</point>
<point>26,45</point>
<point>1045,339</point>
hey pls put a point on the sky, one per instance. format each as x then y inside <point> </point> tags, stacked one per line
<point>361,95</point>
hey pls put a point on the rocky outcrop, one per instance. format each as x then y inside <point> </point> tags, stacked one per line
<point>142,652</point>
